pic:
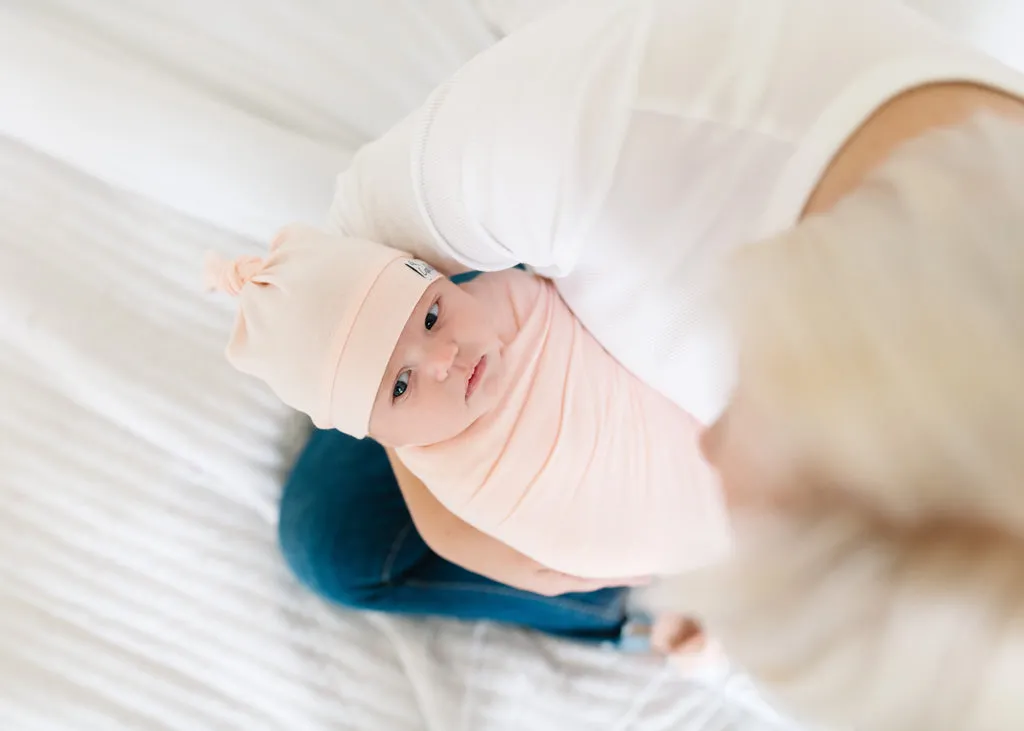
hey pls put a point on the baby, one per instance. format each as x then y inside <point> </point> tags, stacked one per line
<point>491,393</point>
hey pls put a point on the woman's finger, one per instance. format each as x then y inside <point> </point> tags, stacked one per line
<point>635,581</point>
<point>581,584</point>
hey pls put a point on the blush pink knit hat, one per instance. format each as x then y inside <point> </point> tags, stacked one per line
<point>319,318</point>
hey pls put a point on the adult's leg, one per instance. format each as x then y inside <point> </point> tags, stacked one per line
<point>346,533</point>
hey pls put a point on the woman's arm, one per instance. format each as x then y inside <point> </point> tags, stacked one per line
<point>375,198</point>
<point>462,544</point>
<point>509,160</point>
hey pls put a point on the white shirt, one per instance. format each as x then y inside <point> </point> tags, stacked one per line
<point>624,148</point>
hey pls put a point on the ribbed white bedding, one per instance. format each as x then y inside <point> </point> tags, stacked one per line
<point>140,586</point>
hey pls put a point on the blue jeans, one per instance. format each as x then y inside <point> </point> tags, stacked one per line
<point>346,533</point>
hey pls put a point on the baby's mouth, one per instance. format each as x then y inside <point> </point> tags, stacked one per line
<point>475,376</point>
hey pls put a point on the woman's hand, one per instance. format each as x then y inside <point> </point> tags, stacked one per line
<point>482,554</point>
<point>549,582</point>
<point>455,540</point>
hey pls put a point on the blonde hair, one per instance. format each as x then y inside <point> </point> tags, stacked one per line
<point>885,342</point>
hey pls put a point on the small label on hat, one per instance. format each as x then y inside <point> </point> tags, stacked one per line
<point>422,268</point>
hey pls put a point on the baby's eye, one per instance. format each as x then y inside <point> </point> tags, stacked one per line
<point>401,385</point>
<point>431,319</point>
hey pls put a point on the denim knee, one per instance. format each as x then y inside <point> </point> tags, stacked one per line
<point>345,530</point>
<point>313,547</point>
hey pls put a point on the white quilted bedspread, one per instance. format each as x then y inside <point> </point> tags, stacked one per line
<point>140,587</point>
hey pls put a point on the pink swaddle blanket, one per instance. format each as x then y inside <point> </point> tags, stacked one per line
<point>581,467</point>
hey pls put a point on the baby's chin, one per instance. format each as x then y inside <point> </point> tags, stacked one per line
<point>485,400</point>
<point>494,385</point>
<point>480,405</point>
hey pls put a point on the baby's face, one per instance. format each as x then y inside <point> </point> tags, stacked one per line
<point>445,372</point>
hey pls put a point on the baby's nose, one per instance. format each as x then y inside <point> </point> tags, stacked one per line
<point>440,359</point>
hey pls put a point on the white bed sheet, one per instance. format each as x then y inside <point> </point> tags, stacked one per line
<point>140,587</point>
<point>140,584</point>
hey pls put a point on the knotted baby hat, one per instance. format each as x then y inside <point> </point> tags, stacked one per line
<point>318,319</point>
